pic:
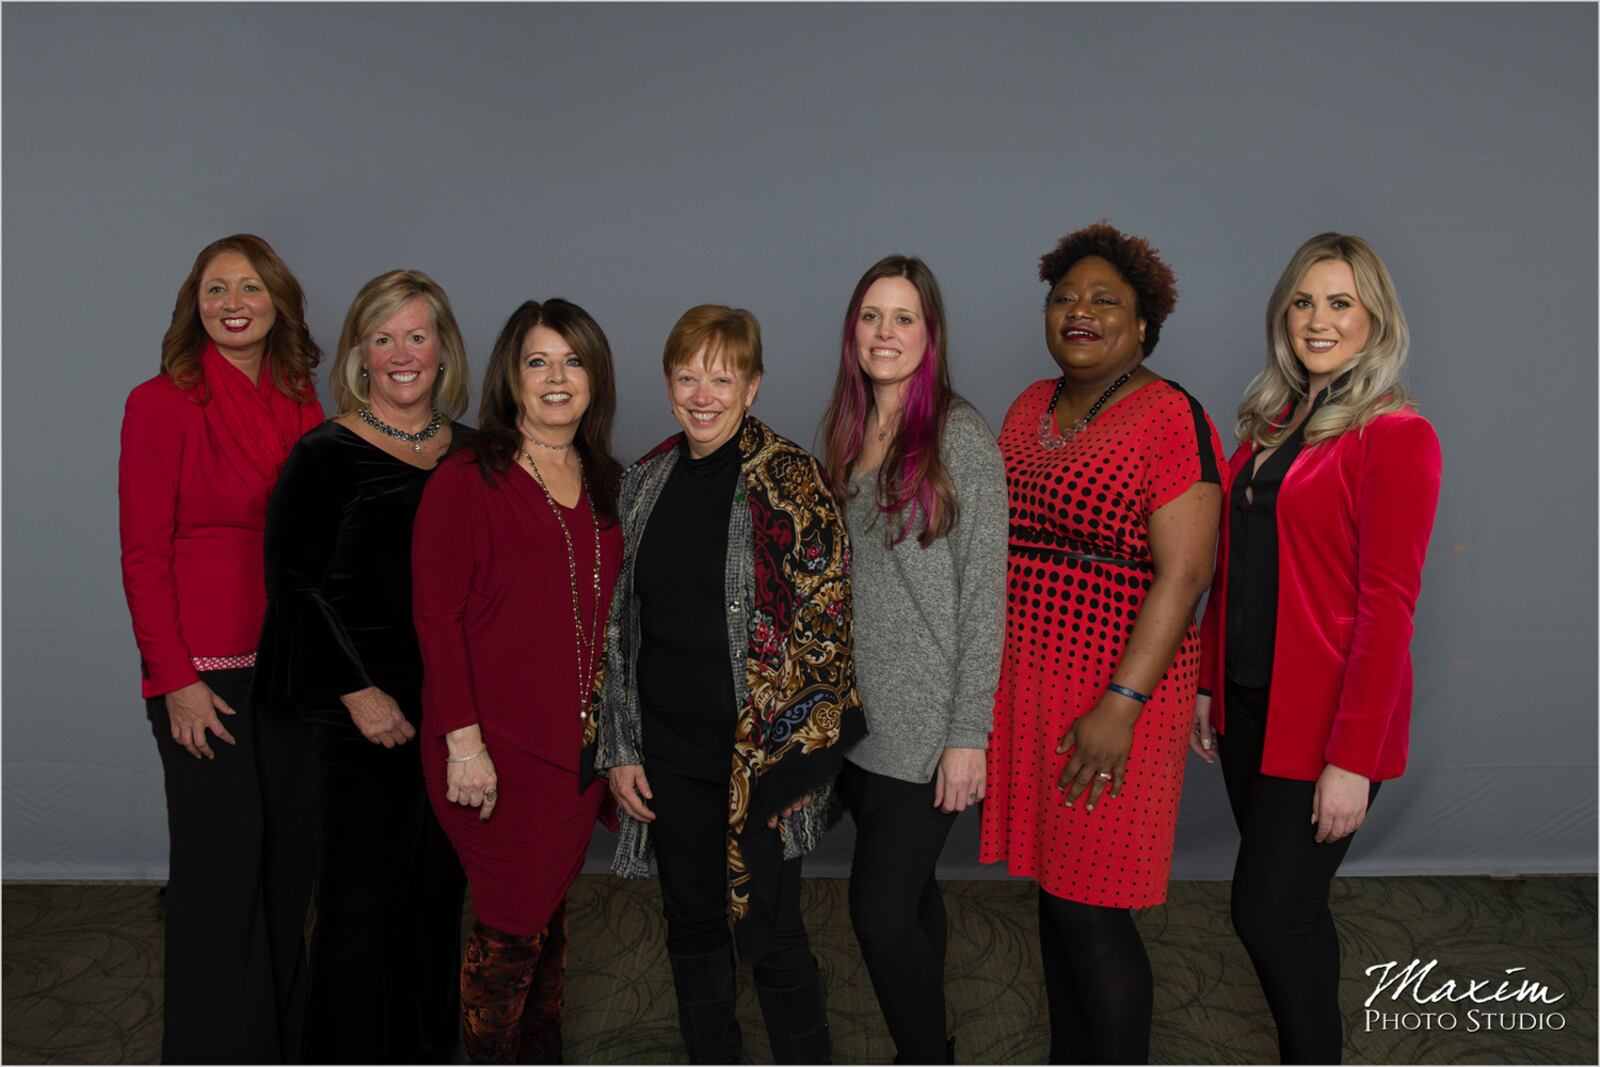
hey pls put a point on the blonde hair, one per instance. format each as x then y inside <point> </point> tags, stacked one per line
<point>378,301</point>
<point>1370,384</point>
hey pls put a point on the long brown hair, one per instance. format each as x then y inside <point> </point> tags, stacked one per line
<point>294,355</point>
<point>913,486</point>
<point>499,435</point>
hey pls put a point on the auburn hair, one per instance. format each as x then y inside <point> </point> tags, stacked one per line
<point>913,487</point>
<point>292,354</point>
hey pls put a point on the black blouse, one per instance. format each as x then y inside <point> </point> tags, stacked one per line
<point>1253,561</point>
<point>686,701</point>
<point>338,569</point>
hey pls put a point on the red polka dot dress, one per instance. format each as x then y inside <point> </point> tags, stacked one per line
<point>1079,569</point>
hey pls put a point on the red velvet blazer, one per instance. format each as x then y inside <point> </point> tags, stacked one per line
<point>1354,515</point>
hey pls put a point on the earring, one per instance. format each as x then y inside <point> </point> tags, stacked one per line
<point>363,374</point>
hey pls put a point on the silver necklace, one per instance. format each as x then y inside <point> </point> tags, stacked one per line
<point>1052,440</point>
<point>427,433</point>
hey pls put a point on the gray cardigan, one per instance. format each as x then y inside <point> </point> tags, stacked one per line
<point>930,622</point>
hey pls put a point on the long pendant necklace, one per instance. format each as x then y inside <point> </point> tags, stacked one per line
<point>427,433</point>
<point>588,644</point>
<point>1051,439</point>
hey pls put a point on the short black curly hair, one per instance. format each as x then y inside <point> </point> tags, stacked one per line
<point>1155,287</point>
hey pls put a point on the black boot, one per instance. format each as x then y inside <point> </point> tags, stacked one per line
<point>797,1021</point>
<point>949,1052</point>
<point>707,1005</point>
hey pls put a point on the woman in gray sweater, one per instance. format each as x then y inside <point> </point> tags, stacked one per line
<point>925,496</point>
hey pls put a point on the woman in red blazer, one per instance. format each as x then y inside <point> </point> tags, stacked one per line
<point>1307,634</point>
<point>202,445</point>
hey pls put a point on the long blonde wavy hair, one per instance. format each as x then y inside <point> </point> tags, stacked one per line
<point>1371,383</point>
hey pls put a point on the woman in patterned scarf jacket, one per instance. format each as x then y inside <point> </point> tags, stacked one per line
<point>729,690</point>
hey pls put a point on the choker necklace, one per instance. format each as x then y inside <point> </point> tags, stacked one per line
<point>427,433</point>
<point>588,645</point>
<point>1049,437</point>
<point>553,448</point>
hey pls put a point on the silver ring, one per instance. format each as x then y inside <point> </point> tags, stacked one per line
<point>1103,774</point>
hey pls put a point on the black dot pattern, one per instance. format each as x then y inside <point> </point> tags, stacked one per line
<point>1068,621</point>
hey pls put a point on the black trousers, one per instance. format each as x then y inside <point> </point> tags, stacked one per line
<point>1280,889</point>
<point>238,885</point>
<point>386,950</point>
<point>896,907</point>
<point>691,850</point>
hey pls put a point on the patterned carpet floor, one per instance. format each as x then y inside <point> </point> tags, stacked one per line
<point>82,973</point>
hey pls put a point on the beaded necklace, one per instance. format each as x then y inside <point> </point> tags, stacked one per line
<point>1049,437</point>
<point>588,645</point>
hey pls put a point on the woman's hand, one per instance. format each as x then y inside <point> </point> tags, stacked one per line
<point>959,781</point>
<point>1339,804</point>
<point>631,789</point>
<point>192,711</point>
<point>469,774</point>
<point>1099,743</point>
<point>1203,739</point>
<point>378,717</point>
<point>772,823</point>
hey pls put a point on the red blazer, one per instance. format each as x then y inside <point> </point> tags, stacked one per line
<point>192,528</point>
<point>1354,515</point>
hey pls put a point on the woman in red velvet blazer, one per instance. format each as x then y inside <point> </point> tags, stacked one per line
<point>202,445</point>
<point>1307,634</point>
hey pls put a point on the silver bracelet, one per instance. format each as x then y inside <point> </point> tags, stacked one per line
<point>467,759</point>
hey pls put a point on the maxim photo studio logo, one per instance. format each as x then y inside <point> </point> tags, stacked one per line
<point>1419,999</point>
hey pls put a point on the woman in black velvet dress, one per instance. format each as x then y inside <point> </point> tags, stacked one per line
<point>338,650</point>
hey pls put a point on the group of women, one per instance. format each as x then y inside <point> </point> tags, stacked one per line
<point>387,655</point>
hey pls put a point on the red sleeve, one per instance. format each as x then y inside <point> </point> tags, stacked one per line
<point>1401,467</point>
<point>447,545</point>
<point>1185,450</point>
<point>148,472</point>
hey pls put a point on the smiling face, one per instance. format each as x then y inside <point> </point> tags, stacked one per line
<point>554,387</point>
<point>401,357</point>
<point>709,402</point>
<point>235,307</point>
<point>1091,323</point>
<point>1327,325</point>
<point>891,333</point>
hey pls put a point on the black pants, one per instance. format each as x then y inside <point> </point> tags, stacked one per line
<point>1280,889</point>
<point>386,950</point>
<point>1097,981</point>
<point>691,850</point>
<point>896,907</point>
<point>238,884</point>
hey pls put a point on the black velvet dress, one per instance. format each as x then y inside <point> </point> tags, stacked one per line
<point>385,952</point>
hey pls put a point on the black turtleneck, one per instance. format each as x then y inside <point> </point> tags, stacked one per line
<point>685,665</point>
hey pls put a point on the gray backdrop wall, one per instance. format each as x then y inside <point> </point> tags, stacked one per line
<point>640,159</point>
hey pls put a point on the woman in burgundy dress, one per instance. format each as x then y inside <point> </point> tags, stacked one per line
<point>1113,478</point>
<point>514,555</point>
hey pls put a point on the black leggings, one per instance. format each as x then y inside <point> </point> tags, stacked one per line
<point>691,850</point>
<point>1097,979</point>
<point>896,907</point>
<point>1280,890</point>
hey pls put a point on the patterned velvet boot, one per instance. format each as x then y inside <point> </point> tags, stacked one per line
<point>541,1017</point>
<point>496,974</point>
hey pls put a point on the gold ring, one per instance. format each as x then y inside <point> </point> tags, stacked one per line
<point>489,794</point>
<point>1102,774</point>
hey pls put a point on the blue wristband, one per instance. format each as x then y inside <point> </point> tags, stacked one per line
<point>1131,694</point>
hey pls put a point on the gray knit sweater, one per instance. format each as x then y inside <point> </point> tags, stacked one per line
<point>930,622</point>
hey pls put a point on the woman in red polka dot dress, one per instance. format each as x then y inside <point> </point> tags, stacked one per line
<point>1114,485</point>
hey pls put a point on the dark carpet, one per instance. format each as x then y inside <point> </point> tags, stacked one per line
<point>82,974</point>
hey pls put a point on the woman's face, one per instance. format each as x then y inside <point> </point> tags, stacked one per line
<point>891,336</point>
<point>1326,322</point>
<point>1091,323</point>
<point>401,358</point>
<point>554,386</point>
<point>235,307</point>
<point>709,402</point>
